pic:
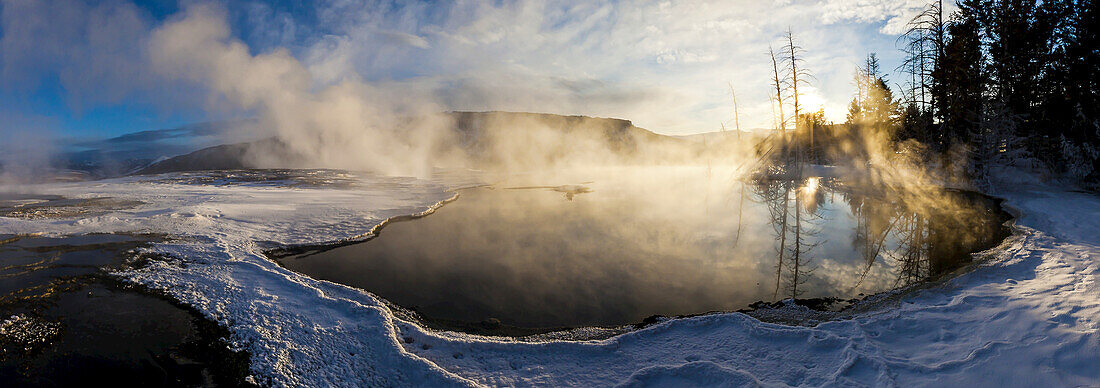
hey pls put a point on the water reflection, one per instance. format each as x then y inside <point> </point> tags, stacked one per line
<point>794,209</point>
<point>635,242</point>
<point>922,241</point>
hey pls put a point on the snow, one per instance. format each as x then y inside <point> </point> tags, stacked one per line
<point>1028,314</point>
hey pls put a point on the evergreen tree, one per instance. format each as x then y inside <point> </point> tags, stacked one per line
<point>960,76</point>
<point>1069,88</point>
<point>874,107</point>
<point>1019,35</point>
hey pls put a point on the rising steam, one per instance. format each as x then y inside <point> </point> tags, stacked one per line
<point>357,126</point>
<point>349,125</point>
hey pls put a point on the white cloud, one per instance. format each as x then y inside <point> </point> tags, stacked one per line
<point>94,51</point>
<point>895,13</point>
<point>682,54</point>
<point>398,37</point>
<point>664,65</point>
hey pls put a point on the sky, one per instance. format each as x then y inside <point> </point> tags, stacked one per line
<point>88,69</point>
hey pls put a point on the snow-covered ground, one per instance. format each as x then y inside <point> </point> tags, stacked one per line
<point>1028,315</point>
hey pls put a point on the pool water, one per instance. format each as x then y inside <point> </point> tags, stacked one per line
<point>612,247</point>
<point>65,322</point>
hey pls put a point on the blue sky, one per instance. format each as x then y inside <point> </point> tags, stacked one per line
<point>83,69</point>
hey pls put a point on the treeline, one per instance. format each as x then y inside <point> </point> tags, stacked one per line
<point>997,83</point>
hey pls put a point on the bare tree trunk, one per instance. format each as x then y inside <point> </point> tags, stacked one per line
<point>792,51</point>
<point>736,115</point>
<point>778,83</point>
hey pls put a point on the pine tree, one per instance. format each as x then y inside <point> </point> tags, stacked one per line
<point>1069,87</point>
<point>960,75</point>
<point>1019,35</point>
<point>874,108</point>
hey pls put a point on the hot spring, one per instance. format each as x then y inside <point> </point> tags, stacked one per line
<point>614,246</point>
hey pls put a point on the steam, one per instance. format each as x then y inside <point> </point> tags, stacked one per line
<point>25,154</point>
<point>324,115</point>
<point>329,117</point>
<point>348,125</point>
<point>528,56</point>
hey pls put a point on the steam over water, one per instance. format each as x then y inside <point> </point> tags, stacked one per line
<point>616,245</point>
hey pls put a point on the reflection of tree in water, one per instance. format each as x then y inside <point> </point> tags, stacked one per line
<point>916,237</point>
<point>775,194</point>
<point>793,203</point>
<point>920,237</point>
<point>794,210</point>
<point>883,219</point>
<point>806,208</point>
<point>874,221</point>
<point>912,256</point>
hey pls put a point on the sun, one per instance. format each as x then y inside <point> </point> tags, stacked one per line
<point>811,100</point>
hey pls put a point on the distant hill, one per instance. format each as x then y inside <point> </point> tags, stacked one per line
<point>82,159</point>
<point>127,153</point>
<point>222,157</point>
<point>509,139</point>
<point>528,140</point>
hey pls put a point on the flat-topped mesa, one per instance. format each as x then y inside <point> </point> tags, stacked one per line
<point>532,140</point>
<point>484,140</point>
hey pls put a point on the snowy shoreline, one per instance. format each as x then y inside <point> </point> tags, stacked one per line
<point>1004,322</point>
<point>1027,315</point>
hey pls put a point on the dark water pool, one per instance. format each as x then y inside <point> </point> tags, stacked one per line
<point>625,245</point>
<point>65,322</point>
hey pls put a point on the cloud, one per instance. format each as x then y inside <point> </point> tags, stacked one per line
<point>93,51</point>
<point>682,54</point>
<point>398,37</point>
<point>895,14</point>
<point>664,65</point>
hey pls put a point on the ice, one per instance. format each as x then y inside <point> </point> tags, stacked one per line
<point>1026,315</point>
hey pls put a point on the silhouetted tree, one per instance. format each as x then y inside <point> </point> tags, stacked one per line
<point>960,76</point>
<point>874,108</point>
<point>798,75</point>
<point>1069,91</point>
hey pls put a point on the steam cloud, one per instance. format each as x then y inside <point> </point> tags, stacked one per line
<point>324,115</point>
<point>349,125</point>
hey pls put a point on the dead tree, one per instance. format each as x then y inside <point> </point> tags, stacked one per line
<point>799,76</point>
<point>924,49</point>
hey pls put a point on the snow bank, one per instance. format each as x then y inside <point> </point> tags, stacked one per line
<point>1028,315</point>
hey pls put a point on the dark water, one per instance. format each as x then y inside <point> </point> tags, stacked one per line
<point>64,322</point>
<point>632,244</point>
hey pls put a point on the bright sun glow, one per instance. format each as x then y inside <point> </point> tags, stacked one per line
<point>812,101</point>
<point>811,186</point>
